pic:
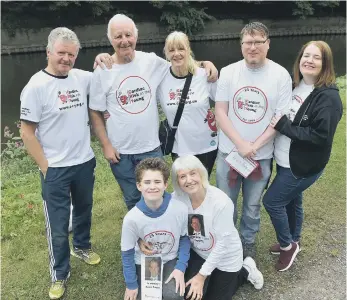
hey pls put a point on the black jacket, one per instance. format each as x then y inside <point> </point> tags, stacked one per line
<point>312,131</point>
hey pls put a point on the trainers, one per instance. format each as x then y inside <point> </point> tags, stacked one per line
<point>249,250</point>
<point>87,255</point>
<point>254,275</point>
<point>275,249</point>
<point>286,258</point>
<point>57,289</point>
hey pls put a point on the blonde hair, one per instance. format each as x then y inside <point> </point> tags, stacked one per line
<point>327,74</point>
<point>188,162</point>
<point>180,39</point>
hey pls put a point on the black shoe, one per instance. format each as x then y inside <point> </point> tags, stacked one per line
<point>249,250</point>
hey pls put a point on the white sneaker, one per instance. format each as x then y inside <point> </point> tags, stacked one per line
<point>254,275</point>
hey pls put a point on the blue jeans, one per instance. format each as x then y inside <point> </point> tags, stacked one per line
<point>124,172</point>
<point>283,202</point>
<point>252,191</point>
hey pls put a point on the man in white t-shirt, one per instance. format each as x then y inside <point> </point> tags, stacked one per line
<point>55,131</point>
<point>249,93</point>
<point>127,92</point>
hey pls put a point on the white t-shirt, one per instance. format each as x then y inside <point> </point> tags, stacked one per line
<point>128,93</point>
<point>282,142</point>
<point>254,96</point>
<point>163,232</point>
<point>197,129</point>
<point>218,241</point>
<point>59,106</point>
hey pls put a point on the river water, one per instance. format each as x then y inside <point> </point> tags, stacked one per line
<point>17,69</point>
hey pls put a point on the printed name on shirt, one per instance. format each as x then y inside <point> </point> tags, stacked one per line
<point>250,104</point>
<point>176,97</point>
<point>69,99</point>
<point>25,111</point>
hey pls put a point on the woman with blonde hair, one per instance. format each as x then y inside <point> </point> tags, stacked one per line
<point>197,131</point>
<point>303,145</point>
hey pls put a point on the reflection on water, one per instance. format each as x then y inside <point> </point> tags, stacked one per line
<point>17,69</point>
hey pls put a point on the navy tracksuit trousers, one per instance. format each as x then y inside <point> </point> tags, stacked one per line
<point>61,186</point>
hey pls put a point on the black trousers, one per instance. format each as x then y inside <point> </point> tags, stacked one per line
<point>219,285</point>
<point>207,159</point>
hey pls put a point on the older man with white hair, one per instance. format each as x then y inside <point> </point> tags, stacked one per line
<point>127,91</point>
<point>55,131</point>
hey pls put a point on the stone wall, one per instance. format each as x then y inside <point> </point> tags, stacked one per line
<point>149,32</point>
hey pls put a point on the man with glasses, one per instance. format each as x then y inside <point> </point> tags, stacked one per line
<point>249,93</point>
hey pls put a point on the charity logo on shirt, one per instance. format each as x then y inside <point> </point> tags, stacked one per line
<point>68,99</point>
<point>200,239</point>
<point>134,94</point>
<point>175,97</point>
<point>250,104</point>
<point>296,103</point>
<point>161,241</point>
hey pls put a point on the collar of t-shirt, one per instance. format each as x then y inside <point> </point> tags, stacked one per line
<point>141,205</point>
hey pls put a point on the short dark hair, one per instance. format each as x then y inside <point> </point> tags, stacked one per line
<point>153,164</point>
<point>250,29</point>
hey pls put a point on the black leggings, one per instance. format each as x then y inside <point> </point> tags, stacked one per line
<point>207,159</point>
<point>219,285</point>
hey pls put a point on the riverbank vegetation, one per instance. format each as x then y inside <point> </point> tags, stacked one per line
<point>188,16</point>
<point>24,254</point>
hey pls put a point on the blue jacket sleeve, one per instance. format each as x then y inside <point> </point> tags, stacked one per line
<point>183,253</point>
<point>129,269</point>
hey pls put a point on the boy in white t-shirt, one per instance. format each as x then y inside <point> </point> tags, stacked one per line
<point>160,222</point>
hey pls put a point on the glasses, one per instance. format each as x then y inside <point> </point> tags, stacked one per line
<point>255,43</point>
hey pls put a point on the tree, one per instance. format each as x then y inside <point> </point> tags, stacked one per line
<point>182,15</point>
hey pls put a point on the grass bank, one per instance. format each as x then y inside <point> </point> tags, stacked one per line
<point>24,253</point>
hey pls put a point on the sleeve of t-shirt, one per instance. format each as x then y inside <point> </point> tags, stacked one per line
<point>223,225</point>
<point>97,96</point>
<point>162,66</point>
<point>128,242</point>
<point>222,93</point>
<point>285,94</point>
<point>31,104</point>
<point>184,244</point>
<point>213,90</point>
<point>88,79</point>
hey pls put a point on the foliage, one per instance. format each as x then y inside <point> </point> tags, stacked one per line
<point>182,15</point>
<point>303,9</point>
<point>14,147</point>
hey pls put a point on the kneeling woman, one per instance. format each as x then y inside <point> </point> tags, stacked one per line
<point>216,264</point>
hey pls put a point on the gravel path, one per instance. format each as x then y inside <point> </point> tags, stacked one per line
<point>320,278</point>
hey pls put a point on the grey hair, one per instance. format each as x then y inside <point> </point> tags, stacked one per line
<point>119,18</point>
<point>250,29</point>
<point>188,162</point>
<point>64,34</point>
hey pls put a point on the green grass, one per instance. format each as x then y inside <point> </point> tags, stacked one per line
<point>24,253</point>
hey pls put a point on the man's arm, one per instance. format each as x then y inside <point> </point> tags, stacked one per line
<point>244,148</point>
<point>267,136</point>
<point>32,145</point>
<point>98,125</point>
<point>282,105</point>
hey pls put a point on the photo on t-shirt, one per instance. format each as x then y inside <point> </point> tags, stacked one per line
<point>153,268</point>
<point>196,225</point>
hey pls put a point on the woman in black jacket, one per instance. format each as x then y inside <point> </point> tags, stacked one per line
<point>302,146</point>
